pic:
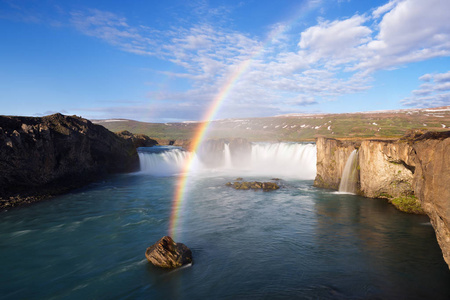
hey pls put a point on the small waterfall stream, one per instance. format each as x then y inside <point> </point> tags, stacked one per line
<point>350,174</point>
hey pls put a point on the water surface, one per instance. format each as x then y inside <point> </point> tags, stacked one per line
<point>296,242</point>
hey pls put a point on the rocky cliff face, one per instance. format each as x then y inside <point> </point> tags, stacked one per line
<point>431,183</point>
<point>386,169</point>
<point>417,168</point>
<point>332,155</point>
<point>50,155</point>
<point>138,140</point>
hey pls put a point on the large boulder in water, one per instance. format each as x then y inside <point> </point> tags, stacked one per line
<point>167,254</point>
<point>254,185</point>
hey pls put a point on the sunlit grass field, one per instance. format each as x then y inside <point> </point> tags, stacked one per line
<point>390,124</point>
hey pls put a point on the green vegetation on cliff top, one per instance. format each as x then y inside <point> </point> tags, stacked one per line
<point>297,127</point>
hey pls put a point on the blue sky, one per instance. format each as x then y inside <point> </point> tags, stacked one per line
<point>163,61</point>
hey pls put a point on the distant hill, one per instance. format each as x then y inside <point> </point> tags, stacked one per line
<point>297,127</point>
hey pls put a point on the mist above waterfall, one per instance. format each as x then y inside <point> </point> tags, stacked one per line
<point>284,160</point>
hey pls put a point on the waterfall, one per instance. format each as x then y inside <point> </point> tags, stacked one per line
<point>283,160</point>
<point>227,155</point>
<point>162,161</point>
<point>293,160</point>
<point>350,174</point>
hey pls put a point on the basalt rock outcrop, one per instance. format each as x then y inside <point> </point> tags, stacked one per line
<point>138,140</point>
<point>415,167</point>
<point>165,253</point>
<point>41,157</point>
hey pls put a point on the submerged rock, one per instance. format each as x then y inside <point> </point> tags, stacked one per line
<point>254,185</point>
<point>167,254</point>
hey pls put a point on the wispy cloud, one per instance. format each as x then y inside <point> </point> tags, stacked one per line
<point>321,63</point>
<point>434,92</point>
<point>114,30</point>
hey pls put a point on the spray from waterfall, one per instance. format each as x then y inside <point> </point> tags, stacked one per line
<point>350,174</point>
<point>283,160</point>
<point>163,161</point>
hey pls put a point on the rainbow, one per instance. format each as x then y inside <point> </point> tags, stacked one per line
<point>180,190</point>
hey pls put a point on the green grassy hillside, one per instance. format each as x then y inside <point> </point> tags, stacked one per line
<point>297,127</point>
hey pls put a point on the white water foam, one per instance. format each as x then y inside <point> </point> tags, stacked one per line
<point>284,160</point>
<point>165,163</point>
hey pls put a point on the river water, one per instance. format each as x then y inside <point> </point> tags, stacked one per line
<point>298,242</point>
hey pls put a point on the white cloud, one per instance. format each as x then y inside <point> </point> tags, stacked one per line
<point>379,11</point>
<point>436,92</point>
<point>326,61</point>
<point>426,77</point>
<point>442,77</point>
<point>112,29</point>
<point>413,30</point>
<point>335,38</point>
<point>302,101</point>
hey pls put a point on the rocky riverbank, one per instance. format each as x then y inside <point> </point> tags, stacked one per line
<point>416,168</point>
<point>42,157</point>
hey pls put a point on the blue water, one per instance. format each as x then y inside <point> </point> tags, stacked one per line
<point>296,242</point>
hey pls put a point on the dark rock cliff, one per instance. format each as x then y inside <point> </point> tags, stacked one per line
<point>415,167</point>
<point>40,157</point>
<point>139,140</point>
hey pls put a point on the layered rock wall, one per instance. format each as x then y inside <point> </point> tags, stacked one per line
<point>431,184</point>
<point>415,167</point>
<point>50,155</point>
<point>386,169</point>
<point>332,155</point>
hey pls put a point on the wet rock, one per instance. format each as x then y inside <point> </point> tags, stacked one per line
<point>270,186</point>
<point>254,185</point>
<point>167,254</point>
